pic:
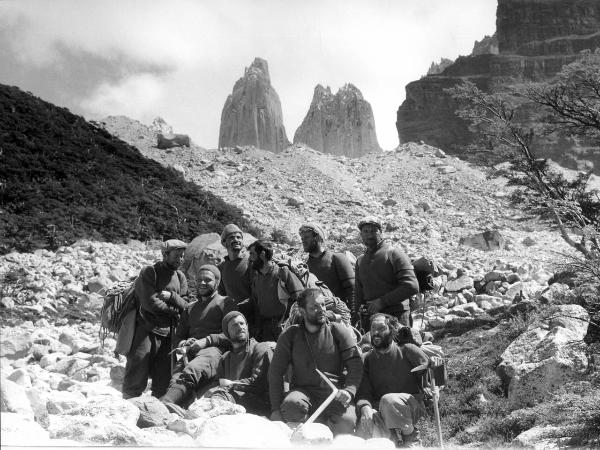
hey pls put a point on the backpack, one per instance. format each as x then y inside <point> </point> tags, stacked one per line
<point>425,271</point>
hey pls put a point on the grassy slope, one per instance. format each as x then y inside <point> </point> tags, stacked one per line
<point>62,178</point>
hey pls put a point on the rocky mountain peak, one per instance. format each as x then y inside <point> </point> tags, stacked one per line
<point>260,69</point>
<point>252,113</point>
<point>160,125</point>
<point>341,124</point>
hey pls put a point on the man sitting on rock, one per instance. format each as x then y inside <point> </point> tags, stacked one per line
<point>242,371</point>
<point>334,269</point>
<point>199,337</point>
<point>236,269</point>
<point>159,290</point>
<point>385,279</point>
<point>273,289</point>
<point>315,344</point>
<point>390,397</point>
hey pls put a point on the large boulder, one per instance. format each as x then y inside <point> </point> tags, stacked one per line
<point>243,431</point>
<point>93,430</point>
<point>341,124</point>
<point>205,249</point>
<point>153,412</point>
<point>252,113</point>
<point>13,398</point>
<point>170,140</point>
<point>18,430</point>
<point>545,356</point>
<point>487,240</point>
<point>16,342</point>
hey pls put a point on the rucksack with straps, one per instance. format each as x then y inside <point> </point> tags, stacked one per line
<point>425,270</point>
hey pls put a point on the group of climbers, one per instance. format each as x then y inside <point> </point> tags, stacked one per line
<point>234,342</point>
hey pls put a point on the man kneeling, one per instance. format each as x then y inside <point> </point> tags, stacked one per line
<point>242,372</point>
<point>389,386</point>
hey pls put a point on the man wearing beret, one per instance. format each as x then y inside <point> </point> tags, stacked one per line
<point>242,372</point>
<point>333,269</point>
<point>385,279</point>
<point>160,290</point>
<point>199,337</point>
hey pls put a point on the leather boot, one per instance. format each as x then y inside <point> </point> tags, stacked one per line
<point>176,394</point>
<point>411,440</point>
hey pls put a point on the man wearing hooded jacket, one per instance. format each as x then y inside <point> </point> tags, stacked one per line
<point>159,290</point>
<point>242,371</point>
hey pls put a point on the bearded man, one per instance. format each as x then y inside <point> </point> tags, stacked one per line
<point>160,290</point>
<point>333,269</point>
<point>274,289</point>
<point>315,344</point>
<point>242,371</point>
<point>200,339</point>
<point>390,395</point>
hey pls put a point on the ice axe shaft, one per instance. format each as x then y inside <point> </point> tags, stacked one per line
<point>436,398</point>
<point>323,405</point>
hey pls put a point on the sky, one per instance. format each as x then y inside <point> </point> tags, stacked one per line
<point>179,59</point>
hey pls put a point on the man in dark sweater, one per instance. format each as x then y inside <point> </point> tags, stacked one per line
<point>242,371</point>
<point>274,288</point>
<point>199,336</point>
<point>385,279</point>
<point>235,269</point>
<point>160,290</point>
<point>315,344</point>
<point>334,269</point>
<point>389,387</point>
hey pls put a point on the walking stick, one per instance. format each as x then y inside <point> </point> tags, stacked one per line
<point>173,357</point>
<point>436,398</point>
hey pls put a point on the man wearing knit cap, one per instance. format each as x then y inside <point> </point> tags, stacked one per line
<point>160,290</point>
<point>334,269</point>
<point>242,372</point>
<point>199,337</point>
<point>235,269</point>
<point>385,279</point>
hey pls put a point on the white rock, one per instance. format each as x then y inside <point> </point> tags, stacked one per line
<point>18,430</point>
<point>93,430</point>
<point>550,353</point>
<point>458,284</point>
<point>21,377</point>
<point>110,408</point>
<point>60,402</point>
<point>250,431</point>
<point>312,434</point>
<point>13,398</point>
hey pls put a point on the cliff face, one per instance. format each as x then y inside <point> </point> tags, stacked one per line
<point>340,124</point>
<point>535,39</point>
<point>252,113</point>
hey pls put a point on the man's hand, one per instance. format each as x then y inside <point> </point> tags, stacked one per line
<point>165,295</point>
<point>224,382</point>
<point>343,397</point>
<point>276,416</point>
<point>199,344</point>
<point>187,342</point>
<point>365,425</point>
<point>375,306</point>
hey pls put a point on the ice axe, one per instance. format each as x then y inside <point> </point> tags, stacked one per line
<point>436,398</point>
<point>323,405</point>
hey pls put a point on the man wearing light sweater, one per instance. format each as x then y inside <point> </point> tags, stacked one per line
<point>315,344</point>
<point>385,279</point>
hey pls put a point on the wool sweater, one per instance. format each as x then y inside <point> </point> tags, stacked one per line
<point>388,372</point>
<point>335,270</point>
<point>331,350</point>
<point>265,296</point>
<point>156,315</point>
<point>386,273</point>
<point>203,317</point>
<point>236,277</point>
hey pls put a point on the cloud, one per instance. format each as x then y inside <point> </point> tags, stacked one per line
<point>135,96</point>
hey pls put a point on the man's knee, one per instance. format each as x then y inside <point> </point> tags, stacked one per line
<point>295,407</point>
<point>343,424</point>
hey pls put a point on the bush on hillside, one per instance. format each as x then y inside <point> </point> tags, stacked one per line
<point>63,179</point>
